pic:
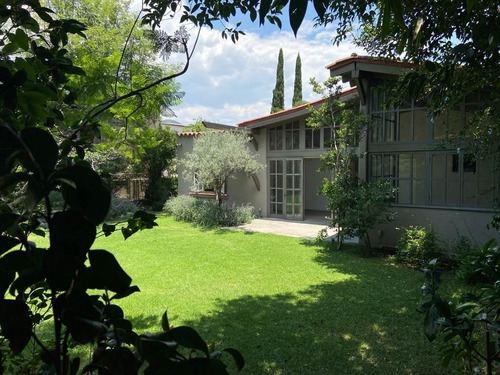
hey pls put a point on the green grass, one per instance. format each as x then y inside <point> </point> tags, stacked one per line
<point>287,304</point>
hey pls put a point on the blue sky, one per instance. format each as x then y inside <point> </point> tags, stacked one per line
<point>230,83</point>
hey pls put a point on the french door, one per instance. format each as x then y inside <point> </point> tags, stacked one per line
<point>285,188</point>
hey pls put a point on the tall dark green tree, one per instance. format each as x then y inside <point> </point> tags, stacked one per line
<point>297,86</point>
<point>278,103</point>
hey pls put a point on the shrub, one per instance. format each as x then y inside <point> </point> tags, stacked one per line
<point>121,208</point>
<point>417,245</point>
<point>207,213</point>
<point>466,252</point>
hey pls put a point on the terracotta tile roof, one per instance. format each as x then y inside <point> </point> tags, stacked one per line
<point>193,134</point>
<point>289,111</point>
<point>370,60</point>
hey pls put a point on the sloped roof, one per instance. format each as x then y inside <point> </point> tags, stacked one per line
<point>354,58</point>
<point>291,112</point>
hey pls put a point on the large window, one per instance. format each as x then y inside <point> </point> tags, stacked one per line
<point>313,140</point>
<point>437,178</point>
<point>292,135</point>
<point>276,138</point>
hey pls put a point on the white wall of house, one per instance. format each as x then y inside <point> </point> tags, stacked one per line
<point>313,180</point>
<point>448,224</point>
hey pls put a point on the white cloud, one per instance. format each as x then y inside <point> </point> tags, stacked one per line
<point>230,83</point>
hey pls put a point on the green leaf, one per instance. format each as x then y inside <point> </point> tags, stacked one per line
<point>7,243</point>
<point>131,290</point>
<point>15,323</point>
<point>188,338</point>
<point>297,10</point>
<point>89,196</point>
<point>430,323</point>
<point>10,179</point>
<point>108,229</point>
<point>265,5</point>
<point>107,273</point>
<point>43,150</point>
<point>320,7</point>
<point>238,358</point>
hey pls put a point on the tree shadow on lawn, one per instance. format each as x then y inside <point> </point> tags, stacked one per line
<point>357,326</point>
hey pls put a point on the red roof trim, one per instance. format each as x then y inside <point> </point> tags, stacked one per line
<point>188,134</point>
<point>369,60</point>
<point>292,110</point>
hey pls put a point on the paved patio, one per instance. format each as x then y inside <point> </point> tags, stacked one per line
<point>304,229</point>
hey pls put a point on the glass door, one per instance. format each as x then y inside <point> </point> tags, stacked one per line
<point>285,188</point>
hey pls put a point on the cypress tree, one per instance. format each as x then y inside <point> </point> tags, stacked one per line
<point>278,103</point>
<point>297,86</point>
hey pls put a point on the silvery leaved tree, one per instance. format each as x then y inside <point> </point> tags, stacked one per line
<point>218,156</point>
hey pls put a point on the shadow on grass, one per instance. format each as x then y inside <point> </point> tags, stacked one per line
<point>367,324</point>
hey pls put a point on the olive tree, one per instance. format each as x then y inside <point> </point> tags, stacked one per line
<point>217,156</point>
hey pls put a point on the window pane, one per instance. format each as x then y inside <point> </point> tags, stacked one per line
<point>455,122</point>
<point>376,166</point>
<point>316,139</point>
<point>279,164</point>
<point>272,166</point>
<point>279,209</point>
<point>420,125</point>
<point>327,137</point>
<point>405,126</point>
<point>272,139</point>
<point>279,138</point>
<point>297,164</point>
<point>404,166</point>
<point>439,127</point>
<point>308,140</point>
<point>289,181</point>
<point>280,181</point>
<point>289,166</point>
<point>297,182</point>
<point>273,181</point>
<point>418,166</point>
<point>390,126</point>
<point>376,131</point>
<point>279,195</point>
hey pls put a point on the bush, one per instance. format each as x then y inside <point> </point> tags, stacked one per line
<point>466,252</point>
<point>417,245</point>
<point>120,208</point>
<point>207,213</point>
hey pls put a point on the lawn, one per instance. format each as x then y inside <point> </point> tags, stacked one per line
<point>287,304</point>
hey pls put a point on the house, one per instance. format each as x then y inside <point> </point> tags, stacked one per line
<point>437,185</point>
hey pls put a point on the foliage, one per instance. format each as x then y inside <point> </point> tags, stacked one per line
<point>417,246</point>
<point>207,213</point>
<point>217,156</point>
<point>156,161</point>
<point>357,206</point>
<point>42,152</point>
<point>297,84</point>
<point>196,126</point>
<point>469,328</point>
<point>278,101</point>
<point>465,250</point>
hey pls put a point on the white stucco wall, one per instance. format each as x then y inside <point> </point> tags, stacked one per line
<point>448,224</point>
<point>312,181</point>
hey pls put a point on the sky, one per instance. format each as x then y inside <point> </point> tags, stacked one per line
<point>230,83</point>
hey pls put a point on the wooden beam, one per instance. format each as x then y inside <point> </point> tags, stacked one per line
<point>256,181</point>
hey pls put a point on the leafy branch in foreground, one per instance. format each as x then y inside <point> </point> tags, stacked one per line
<point>71,286</point>
<point>469,329</point>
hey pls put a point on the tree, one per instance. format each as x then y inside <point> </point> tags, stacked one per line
<point>42,151</point>
<point>157,159</point>
<point>357,206</point>
<point>217,156</point>
<point>196,126</point>
<point>278,102</point>
<point>297,85</point>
